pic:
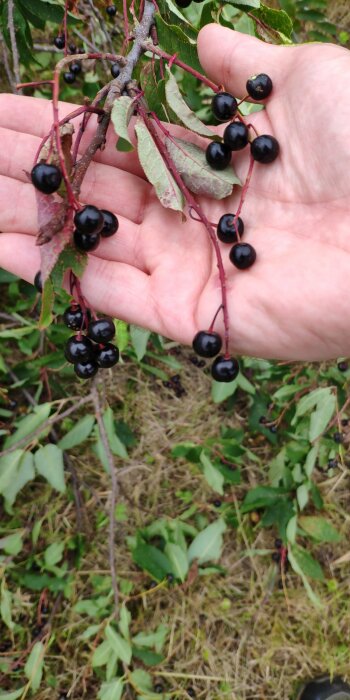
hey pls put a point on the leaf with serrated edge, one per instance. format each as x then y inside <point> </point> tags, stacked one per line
<point>121,114</point>
<point>197,175</point>
<point>156,170</point>
<point>182,110</point>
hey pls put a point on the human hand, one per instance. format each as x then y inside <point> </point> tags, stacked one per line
<point>161,273</point>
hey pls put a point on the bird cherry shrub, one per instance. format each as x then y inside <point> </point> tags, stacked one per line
<point>155,44</point>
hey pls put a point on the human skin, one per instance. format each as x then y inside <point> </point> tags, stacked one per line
<point>161,273</point>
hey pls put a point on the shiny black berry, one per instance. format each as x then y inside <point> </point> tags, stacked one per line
<point>86,370</point>
<point>75,67</point>
<point>227,228</point>
<point>242,255</point>
<point>207,343</point>
<point>191,692</point>
<point>218,155</point>
<point>46,178</point>
<point>69,77</point>
<point>110,224</point>
<point>89,219</point>
<point>72,48</point>
<point>265,149</point>
<point>217,503</point>
<point>73,317</point>
<point>59,42</point>
<point>79,349</point>
<point>111,10</point>
<point>102,330</point>
<point>183,3</point>
<point>115,70</point>
<point>86,242</point>
<point>224,369</point>
<point>259,86</point>
<point>38,283</point>
<point>236,136</point>
<point>343,366</point>
<point>224,106</point>
<point>107,356</point>
<point>338,438</point>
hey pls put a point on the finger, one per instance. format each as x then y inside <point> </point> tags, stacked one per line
<point>32,115</point>
<point>112,288</point>
<point>104,186</point>
<point>230,58</point>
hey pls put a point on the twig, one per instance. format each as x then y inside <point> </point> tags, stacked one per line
<point>15,57</point>
<point>5,59</point>
<point>114,492</point>
<point>100,21</point>
<point>50,421</point>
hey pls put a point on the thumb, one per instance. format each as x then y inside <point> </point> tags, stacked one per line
<point>229,58</point>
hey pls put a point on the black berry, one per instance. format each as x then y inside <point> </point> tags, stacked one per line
<point>59,42</point>
<point>170,578</point>
<point>273,428</point>
<point>115,70</point>
<point>276,557</point>
<point>69,77</point>
<point>207,343</point>
<point>227,228</point>
<point>46,178</point>
<point>242,255</point>
<point>263,420</point>
<point>85,370</point>
<point>191,692</point>
<point>75,67</point>
<point>86,242</point>
<point>224,369</point>
<point>158,688</point>
<point>107,356</point>
<point>265,149</point>
<point>218,155</point>
<point>111,10</point>
<point>110,224</point>
<point>89,219</point>
<point>183,3</point>
<point>332,464</point>
<point>217,503</point>
<point>343,366</point>
<point>259,86</point>
<point>152,584</point>
<point>72,48</point>
<point>224,106</point>
<point>79,349</point>
<point>344,422</point>
<point>38,283</point>
<point>278,543</point>
<point>73,317</point>
<point>102,330</point>
<point>236,136</point>
<point>338,438</point>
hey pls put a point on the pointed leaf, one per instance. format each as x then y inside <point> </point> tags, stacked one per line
<point>101,654</point>
<point>112,690</point>
<point>119,645</point>
<point>139,338</point>
<point>181,109</point>
<point>178,559</point>
<point>152,560</point>
<point>156,170</point>
<point>29,424</point>
<point>78,434</point>
<point>199,177</point>
<point>122,112</point>
<point>49,464</point>
<point>34,666</point>
<point>207,546</point>
<point>319,528</point>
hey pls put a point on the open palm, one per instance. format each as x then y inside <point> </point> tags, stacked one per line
<point>161,273</point>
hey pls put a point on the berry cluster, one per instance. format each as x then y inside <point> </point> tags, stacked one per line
<point>90,224</point>
<point>93,350</point>
<point>75,67</point>
<point>263,149</point>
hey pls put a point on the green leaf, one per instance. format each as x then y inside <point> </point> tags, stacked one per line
<point>147,656</point>
<point>69,259</point>
<point>245,5</point>
<point>119,645</point>
<point>122,334</point>
<point>29,424</point>
<point>49,464</point>
<point>320,418</point>
<point>214,478</point>
<point>260,497</point>
<point>298,570</point>
<point>78,434</point>
<point>101,654</point>
<point>303,495</point>
<point>307,563</point>
<point>207,545</point>
<point>12,544</point>
<point>12,695</point>
<point>275,19</point>
<point>174,41</point>
<point>34,666</point>
<point>154,640</point>
<point>182,110</point>
<point>311,460</point>
<point>116,445</point>
<point>47,299</point>
<point>178,559</point>
<point>156,170</point>
<point>319,528</point>
<point>53,554</point>
<point>124,146</point>
<point>198,176</point>
<point>6,605</point>
<point>152,560</point>
<point>17,333</point>
<point>124,621</point>
<point>122,112</point>
<point>112,690</point>
<point>139,338</point>
<point>220,391</point>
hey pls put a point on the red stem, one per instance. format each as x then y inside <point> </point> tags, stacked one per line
<point>244,189</point>
<point>181,64</point>
<point>194,204</point>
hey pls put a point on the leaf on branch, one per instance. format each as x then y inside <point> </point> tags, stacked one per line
<point>174,41</point>
<point>156,170</point>
<point>47,300</point>
<point>182,110</point>
<point>122,112</point>
<point>197,175</point>
<point>70,259</point>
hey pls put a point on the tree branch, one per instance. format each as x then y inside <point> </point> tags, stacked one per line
<point>5,59</point>
<point>11,28</point>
